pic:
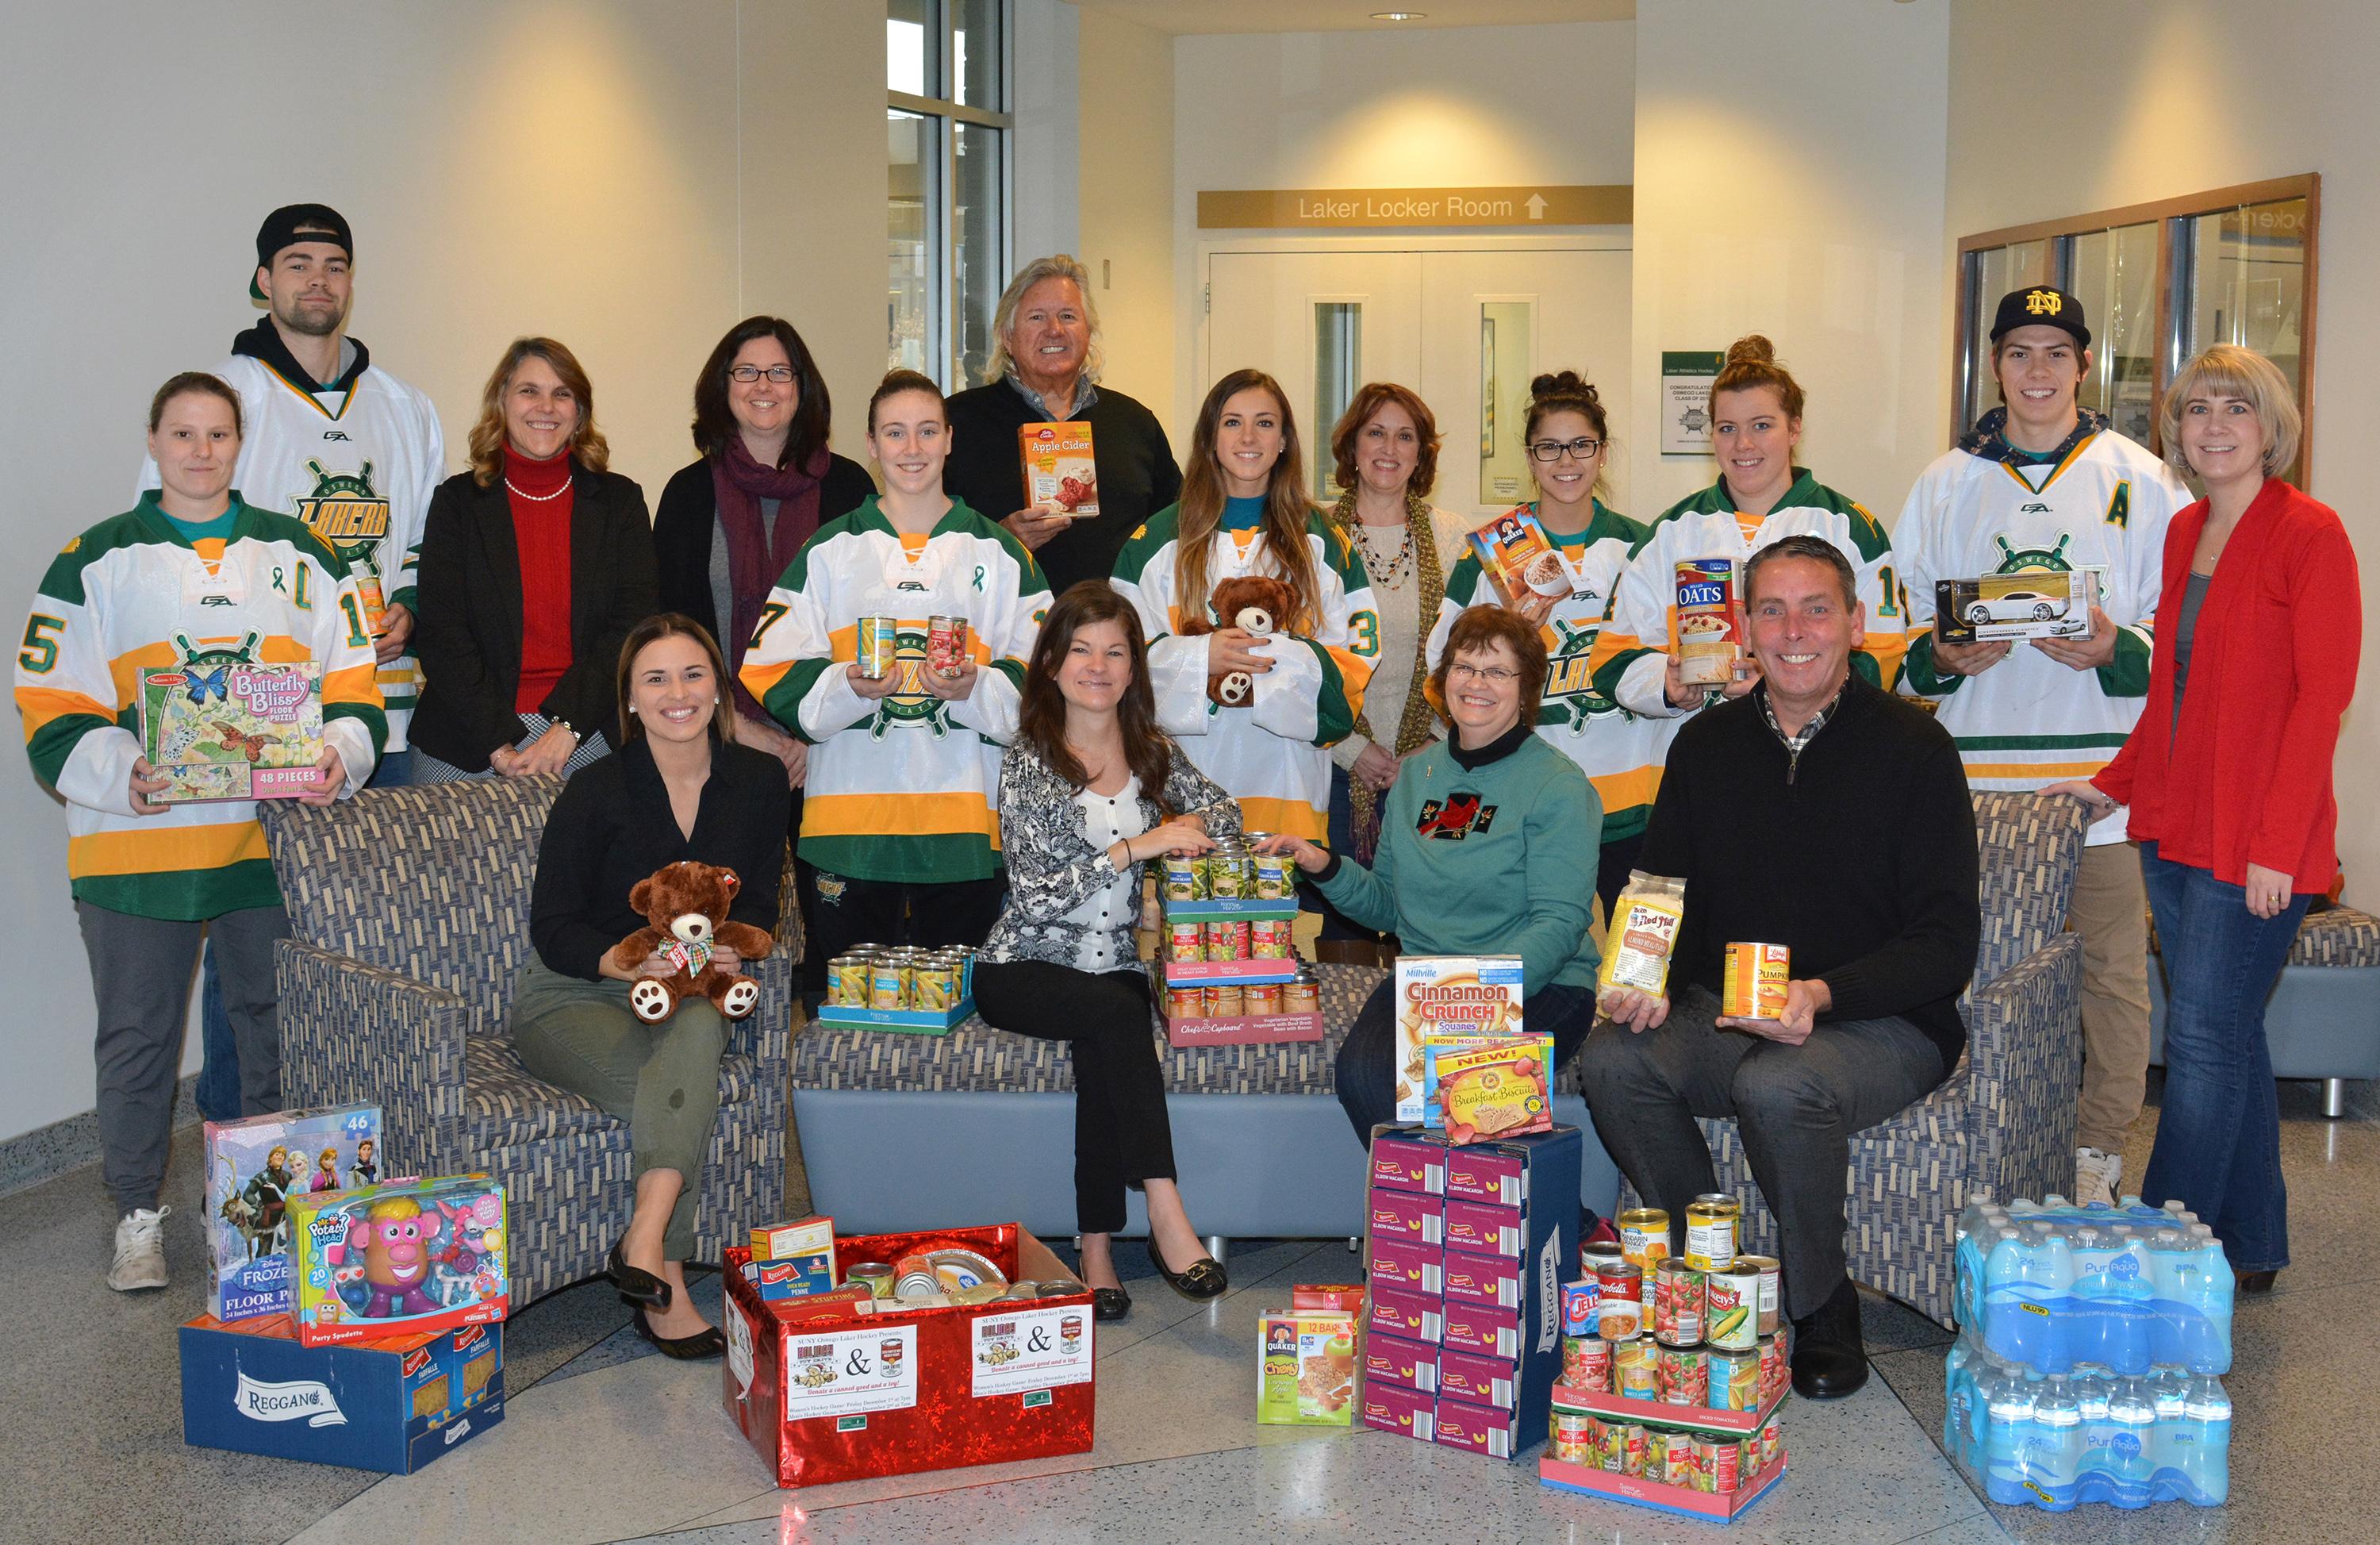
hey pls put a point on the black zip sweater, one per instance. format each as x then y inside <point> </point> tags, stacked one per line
<point>1859,857</point>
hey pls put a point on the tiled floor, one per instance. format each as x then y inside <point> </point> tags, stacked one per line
<point>604,1442</point>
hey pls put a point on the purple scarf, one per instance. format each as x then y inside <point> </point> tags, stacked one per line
<point>756,555</point>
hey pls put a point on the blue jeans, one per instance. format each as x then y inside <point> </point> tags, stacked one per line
<point>2218,1138</point>
<point>395,769</point>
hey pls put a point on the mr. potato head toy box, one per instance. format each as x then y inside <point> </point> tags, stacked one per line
<point>979,1373</point>
<point>403,1256</point>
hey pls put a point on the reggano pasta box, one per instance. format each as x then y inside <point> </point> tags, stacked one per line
<point>1058,467</point>
<point>1450,997</point>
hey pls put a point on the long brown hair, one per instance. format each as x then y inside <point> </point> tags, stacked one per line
<point>1287,509</point>
<point>671,625</point>
<point>1041,713</point>
<point>587,446</point>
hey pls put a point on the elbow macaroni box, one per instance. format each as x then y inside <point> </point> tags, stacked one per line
<point>255,1167</point>
<point>2036,604</point>
<point>1450,997</point>
<point>1058,467</point>
<point>219,727</point>
<point>392,1405</point>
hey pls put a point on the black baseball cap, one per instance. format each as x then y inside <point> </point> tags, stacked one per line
<point>2041,306</point>
<point>292,224</point>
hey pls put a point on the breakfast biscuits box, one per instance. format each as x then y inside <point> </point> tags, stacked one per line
<point>1058,467</point>
<point>2036,604</point>
<point>1479,1090</point>
<point>1518,558</point>
<point>1448,997</point>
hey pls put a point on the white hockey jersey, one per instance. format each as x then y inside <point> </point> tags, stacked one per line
<point>2029,721</point>
<point>1268,754</point>
<point>356,467</point>
<point>1611,745</point>
<point>906,786</point>
<point>136,593</point>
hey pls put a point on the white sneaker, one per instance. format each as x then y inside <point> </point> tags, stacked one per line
<point>2096,1175</point>
<point>139,1250</point>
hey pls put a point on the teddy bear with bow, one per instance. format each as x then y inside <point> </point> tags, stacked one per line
<point>1256,603</point>
<point>686,911</point>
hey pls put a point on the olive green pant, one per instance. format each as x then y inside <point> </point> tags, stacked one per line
<point>661,1079</point>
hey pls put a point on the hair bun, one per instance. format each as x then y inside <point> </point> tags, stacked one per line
<point>1565,383</point>
<point>1751,348</point>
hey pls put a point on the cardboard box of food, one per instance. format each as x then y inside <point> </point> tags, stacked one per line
<point>1307,1372</point>
<point>898,1389</point>
<point>1058,467</point>
<point>392,1405</point>
<point>1448,997</point>
<point>1518,557</point>
<point>2035,604</point>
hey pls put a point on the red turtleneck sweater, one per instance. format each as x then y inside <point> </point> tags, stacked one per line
<point>541,496</point>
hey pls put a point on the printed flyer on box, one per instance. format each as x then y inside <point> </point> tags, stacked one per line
<point>1037,1350</point>
<point>850,1372</point>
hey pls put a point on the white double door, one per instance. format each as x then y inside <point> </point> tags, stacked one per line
<point>1466,328</point>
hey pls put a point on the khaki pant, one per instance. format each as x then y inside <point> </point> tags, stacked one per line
<point>2110,913</point>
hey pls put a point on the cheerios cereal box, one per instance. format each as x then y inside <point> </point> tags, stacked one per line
<point>1448,997</point>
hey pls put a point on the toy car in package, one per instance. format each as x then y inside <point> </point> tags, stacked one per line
<point>1644,934</point>
<point>2036,603</point>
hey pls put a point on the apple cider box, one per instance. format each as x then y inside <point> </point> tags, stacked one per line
<point>1058,468</point>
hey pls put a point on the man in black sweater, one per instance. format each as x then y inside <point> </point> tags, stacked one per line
<point>1824,814</point>
<point>1046,366</point>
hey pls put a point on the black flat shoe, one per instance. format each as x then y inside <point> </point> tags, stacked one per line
<point>1202,1282</point>
<point>701,1347</point>
<point>636,1285</point>
<point>1109,1303</point>
<point>1829,1358</point>
<point>2256,1282</point>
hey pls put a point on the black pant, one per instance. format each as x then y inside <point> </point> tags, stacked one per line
<point>846,911</point>
<point>1366,1074</point>
<point>1122,1134</point>
<point>1611,870</point>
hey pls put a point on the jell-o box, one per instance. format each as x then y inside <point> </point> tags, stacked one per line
<point>1394,1409</point>
<point>1484,1230</point>
<point>1485,1175</point>
<point>1405,1215</point>
<point>1413,1364</point>
<point>1483,1279</point>
<point>1477,1380</point>
<point>1487,1329</point>
<point>1407,1267</point>
<point>1391,1313</point>
<point>1408,1164</point>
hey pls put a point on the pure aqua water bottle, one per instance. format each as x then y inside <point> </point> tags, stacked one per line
<point>2052,1280</point>
<point>2169,1391</point>
<point>2213,1297</point>
<point>2095,1467</point>
<point>2058,1440</point>
<point>2207,1416</point>
<point>2128,1312</point>
<point>2007,1438</point>
<point>2011,1330</point>
<point>2131,1445</point>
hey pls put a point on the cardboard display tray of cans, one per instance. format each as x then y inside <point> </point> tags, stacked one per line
<point>1466,1246</point>
<point>1232,973</point>
<point>872,987</point>
<point>1673,1368</point>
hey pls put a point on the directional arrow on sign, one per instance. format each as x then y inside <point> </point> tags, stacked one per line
<point>1537,206</point>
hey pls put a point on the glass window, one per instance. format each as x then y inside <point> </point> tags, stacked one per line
<point>945,64</point>
<point>2115,277</point>
<point>1507,363</point>
<point>1338,369</point>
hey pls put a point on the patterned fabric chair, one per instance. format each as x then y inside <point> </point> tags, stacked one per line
<point>409,918</point>
<point>2003,1124</point>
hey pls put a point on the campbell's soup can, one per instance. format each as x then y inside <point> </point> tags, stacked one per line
<point>1227,939</point>
<point>1644,1237</point>
<point>1684,1376</point>
<point>1713,1219</point>
<point>946,645</point>
<point>1772,1282</point>
<point>1752,985</point>
<point>1731,1306</point>
<point>1268,938</point>
<point>1709,622</point>
<point>1586,1363</point>
<point>1185,940</point>
<point>879,645</point>
<point>1618,1281</point>
<point>1677,1305</point>
<point>1635,1371</point>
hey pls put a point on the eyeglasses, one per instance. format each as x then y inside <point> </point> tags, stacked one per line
<point>1496,675</point>
<point>1551,450</point>
<point>749,373</point>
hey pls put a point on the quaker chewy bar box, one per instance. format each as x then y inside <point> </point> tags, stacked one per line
<point>392,1405</point>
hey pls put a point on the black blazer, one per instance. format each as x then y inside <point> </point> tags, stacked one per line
<point>686,523</point>
<point>466,631</point>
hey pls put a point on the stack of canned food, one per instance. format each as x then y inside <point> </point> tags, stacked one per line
<point>1706,1329</point>
<point>1698,1461</point>
<point>871,976</point>
<point>1223,940</point>
<point>1229,871</point>
<point>1232,1000</point>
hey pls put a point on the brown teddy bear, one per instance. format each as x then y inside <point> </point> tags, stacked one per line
<point>1258,603</point>
<point>687,905</point>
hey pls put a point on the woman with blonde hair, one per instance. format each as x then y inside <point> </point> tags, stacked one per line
<point>2228,776</point>
<point>534,565</point>
<point>1244,512</point>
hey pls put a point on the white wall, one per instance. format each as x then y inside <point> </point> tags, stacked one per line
<point>627,177</point>
<point>1481,106</point>
<point>1045,216</point>
<point>1788,182</point>
<point>1125,80</point>
<point>2157,99</point>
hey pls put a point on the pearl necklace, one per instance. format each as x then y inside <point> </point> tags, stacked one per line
<point>521,492</point>
<point>1390,575</point>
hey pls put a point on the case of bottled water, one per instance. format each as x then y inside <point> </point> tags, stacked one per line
<point>2092,1341</point>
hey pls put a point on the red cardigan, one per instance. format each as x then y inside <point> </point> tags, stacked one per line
<point>2272,667</point>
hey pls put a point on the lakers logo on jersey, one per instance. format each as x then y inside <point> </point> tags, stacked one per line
<point>2034,559</point>
<point>909,705</point>
<point>344,511</point>
<point>1570,698</point>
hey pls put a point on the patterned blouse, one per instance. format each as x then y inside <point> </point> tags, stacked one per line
<point>1053,866</point>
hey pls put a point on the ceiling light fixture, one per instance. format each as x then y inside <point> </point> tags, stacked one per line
<point>1399,16</point>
